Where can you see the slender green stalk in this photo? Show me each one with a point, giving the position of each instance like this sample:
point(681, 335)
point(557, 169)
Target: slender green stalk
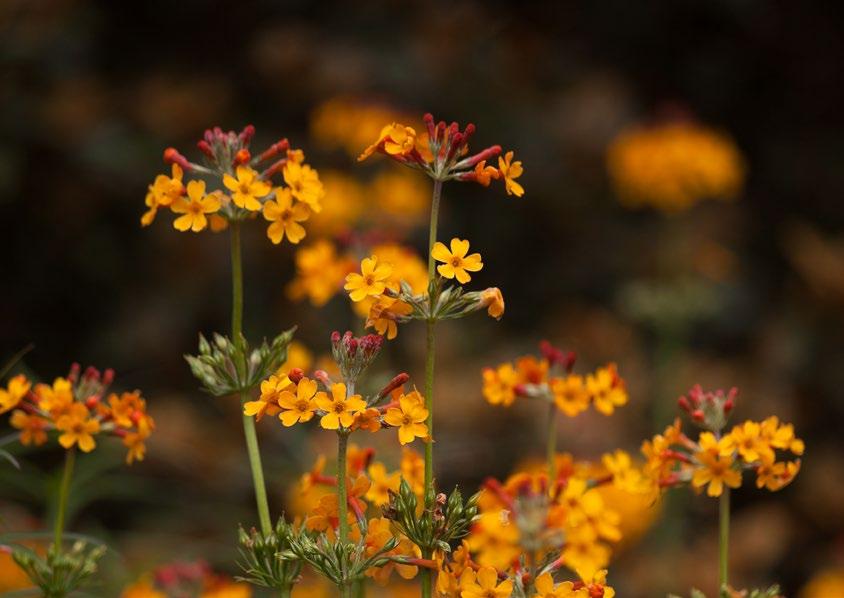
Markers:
point(248, 422)
point(342, 498)
point(425, 574)
point(551, 446)
point(430, 352)
point(723, 536)
point(64, 490)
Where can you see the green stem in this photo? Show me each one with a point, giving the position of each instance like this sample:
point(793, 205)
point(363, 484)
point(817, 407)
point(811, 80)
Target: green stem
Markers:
point(248, 422)
point(551, 446)
point(723, 536)
point(430, 350)
point(64, 490)
point(342, 499)
point(427, 582)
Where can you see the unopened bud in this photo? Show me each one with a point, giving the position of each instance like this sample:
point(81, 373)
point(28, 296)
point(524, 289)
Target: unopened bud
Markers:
point(295, 375)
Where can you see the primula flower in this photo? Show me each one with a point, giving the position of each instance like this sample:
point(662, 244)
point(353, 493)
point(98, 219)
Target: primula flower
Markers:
point(395, 140)
point(33, 427)
point(408, 417)
point(382, 484)
point(368, 419)
point(776, 475)
point(78, 428)
point(371, 280)
point(486, 585)
point(510, 171)
point(55, 399)
point(301, 407)
point(494, 302)
point(340, 409)
point(135, 442)
point(484, 174)
point(747, 440)
point(545, 588)
point(570, 394)
point(716, 465)
point(499, 385)
point(384, 314)
point(267, 403)
point(378, 533)
point(195, 208)
point(606, 389)
point(247, 188)
point(456, 264)
point(163, 192)
point(15, 391)
point(285, 217)
point(304, 184)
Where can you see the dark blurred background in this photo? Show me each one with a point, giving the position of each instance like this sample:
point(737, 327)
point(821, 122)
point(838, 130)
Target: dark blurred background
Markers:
point(92, 92)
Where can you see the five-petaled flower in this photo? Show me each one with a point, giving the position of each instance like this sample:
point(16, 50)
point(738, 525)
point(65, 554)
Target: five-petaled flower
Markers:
point(339, 409)
point(456, 264)
point(408, 417)
point(247, 188)
point(194, 208)
point(510, 171)
point(299, 408)
point(285, 217)
point(304, 184)
point(371, 281)
point(78, 428)
point(485, 584)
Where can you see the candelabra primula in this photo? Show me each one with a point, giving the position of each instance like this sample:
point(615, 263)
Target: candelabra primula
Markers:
point(75, 410)
point(442, 153)
point(245, 186)
point(337, 538)
point(716, 460)
point(186, 580)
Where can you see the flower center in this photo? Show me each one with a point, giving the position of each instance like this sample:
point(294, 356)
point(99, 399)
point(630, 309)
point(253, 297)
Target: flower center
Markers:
point(302, 405)
point(369, 280)
point(455, 261)
point(339, 407)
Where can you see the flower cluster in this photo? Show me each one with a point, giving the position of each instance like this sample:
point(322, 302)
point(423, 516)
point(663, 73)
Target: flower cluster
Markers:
point(718, 458)
point(245, 191)
point(528, 529)
point(395, 288)
point(673, 166)
point(442, 152)
point(550, 378)
point(296, 399)
point(79, 408)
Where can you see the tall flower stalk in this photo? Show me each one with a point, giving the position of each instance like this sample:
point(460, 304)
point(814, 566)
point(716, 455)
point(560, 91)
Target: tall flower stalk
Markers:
point(228, 366)
point(64, 491)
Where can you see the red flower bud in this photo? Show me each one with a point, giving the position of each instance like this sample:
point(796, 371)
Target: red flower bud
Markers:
point(295, 375)
point(242, 156)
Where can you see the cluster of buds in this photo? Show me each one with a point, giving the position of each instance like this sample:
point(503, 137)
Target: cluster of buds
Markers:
point(224, 367)
point(259, 557)
point(709, 410)
point(443, 522)
point(354, 355)
point(79, 407)
point(59, 573)
point(442, 152)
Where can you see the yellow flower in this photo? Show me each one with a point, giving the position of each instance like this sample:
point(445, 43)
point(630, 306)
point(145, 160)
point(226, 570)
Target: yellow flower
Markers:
point(370, 282)
point(267, 403)
point(456, 264)
point(301, 407)
point(716, 465)
point(55, 399)
point(545, 588)
point(499, 385)
point(304, 184)
point(747, 440)
point(247, 188)
point(776, 475)
point(511, 171)
point(484, 174)
point(163, 192)
point(134, 441)
point(596, 582)
point(382, 483)
point(14, 392)
point(194, 208)
point(494, 302)
point(319, 273)
point(339, 410)
point(32, 427)
point(486, 586)
point(570, 394)
point(673, 166)
point(285, 217)
point(395, 139)
point(384, 313)
point(606, 389)
point(78, 428)
point(408, 417)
